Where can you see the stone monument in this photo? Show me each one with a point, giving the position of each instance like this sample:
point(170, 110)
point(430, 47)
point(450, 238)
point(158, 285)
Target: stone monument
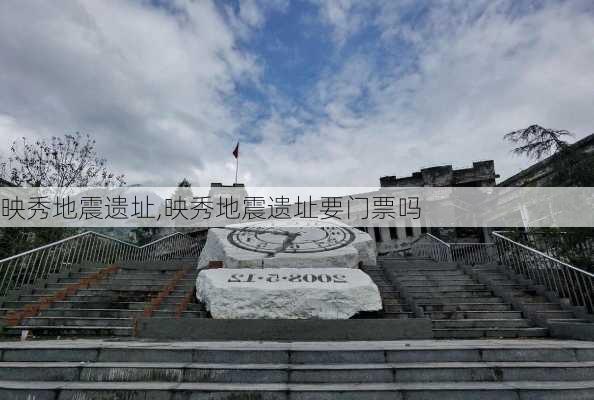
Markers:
point(289, 269)
point(288, 244)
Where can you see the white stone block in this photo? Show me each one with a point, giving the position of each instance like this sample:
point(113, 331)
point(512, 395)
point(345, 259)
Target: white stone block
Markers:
point(292, 244)
point(287, 293)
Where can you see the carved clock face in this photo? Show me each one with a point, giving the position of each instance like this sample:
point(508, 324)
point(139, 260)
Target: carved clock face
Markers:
point(306, 238)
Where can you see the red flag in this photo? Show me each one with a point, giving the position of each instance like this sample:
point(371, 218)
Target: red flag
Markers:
point(236, 151)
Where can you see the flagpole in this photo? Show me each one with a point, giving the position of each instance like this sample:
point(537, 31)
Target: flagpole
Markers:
point(236, 155)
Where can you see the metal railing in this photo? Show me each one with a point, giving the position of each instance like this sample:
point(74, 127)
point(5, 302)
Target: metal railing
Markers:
point(88, 247)
point(565, 280)
point(432, 247)
point(574, 246)
point(464, 253)
point(474, 253)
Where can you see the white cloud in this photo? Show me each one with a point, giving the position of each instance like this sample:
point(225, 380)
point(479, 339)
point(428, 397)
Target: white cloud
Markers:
point(345, 17)
point(157, 88)
point(251, 13)
point(152, 87)
point(476, 79)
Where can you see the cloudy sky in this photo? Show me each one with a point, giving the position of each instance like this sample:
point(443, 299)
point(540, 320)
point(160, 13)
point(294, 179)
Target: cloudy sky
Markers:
point(322, 93)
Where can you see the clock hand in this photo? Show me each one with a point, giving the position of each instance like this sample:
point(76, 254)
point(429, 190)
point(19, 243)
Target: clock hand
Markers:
point(287, 242)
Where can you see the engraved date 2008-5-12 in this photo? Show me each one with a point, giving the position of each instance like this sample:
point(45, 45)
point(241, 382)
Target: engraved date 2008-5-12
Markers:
point(272, 278)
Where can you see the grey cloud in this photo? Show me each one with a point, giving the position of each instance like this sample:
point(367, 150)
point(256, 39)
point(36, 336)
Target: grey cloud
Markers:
point(158, 90)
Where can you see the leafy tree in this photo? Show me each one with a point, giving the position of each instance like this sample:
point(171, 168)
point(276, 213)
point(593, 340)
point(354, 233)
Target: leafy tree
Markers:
point(572, 166)
point(66, 161)
point(537, 142)
point(184, 183)
point(182, 196)
point(144, 234)
point(575, 169)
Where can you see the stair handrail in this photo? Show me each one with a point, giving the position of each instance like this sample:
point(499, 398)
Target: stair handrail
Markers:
point(57, 242)
point(437, 239)
point(559, 277)
point(408, 247)
point(464, 253)
point(91, 247)
point(543, 241)
point(434, 248)
point(468, 253)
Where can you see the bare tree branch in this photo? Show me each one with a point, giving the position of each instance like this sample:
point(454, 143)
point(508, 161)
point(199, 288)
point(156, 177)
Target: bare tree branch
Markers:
point(63, 161)
point(536, 141)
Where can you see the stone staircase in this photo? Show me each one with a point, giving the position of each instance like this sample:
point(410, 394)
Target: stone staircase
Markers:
point(458, 305)
point(394, 305)
point(107, 308)
point(411, 370)
point(525, 296)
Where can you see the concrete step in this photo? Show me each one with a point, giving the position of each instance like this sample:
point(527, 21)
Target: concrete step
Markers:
point(429, 299)
point(55, 330)
point(444, 294)
point(129, 280)
point(391, 296)
point(416, 267)
point(77, 321)
point(376, 273)
point(34, 298)
point(398, 315)
point(119, 286)
point(282, 391)
point(570, 320)
point(445, 288)
point(99, 291)
point(519, 290)
point(392, 302)
point(395, 308)
point(384, 286)
point(530, 298)
point(419, 272)
point(425, 285)
point(496, 273)
point(424, 281)
point(554, 314)
point(101, 294)
point(466, 307)
point(80, 305)
point(444, 315)
point(140, 277)
point(102, 313)
point(481, 323)
point(413, 267)
point(504, 281)
point(542, 306)
point(191, 307)
point(485, 268)
point(290, 373)
point(426, 271)
point(477, 333)
point(509, 286)
point(299, 353)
